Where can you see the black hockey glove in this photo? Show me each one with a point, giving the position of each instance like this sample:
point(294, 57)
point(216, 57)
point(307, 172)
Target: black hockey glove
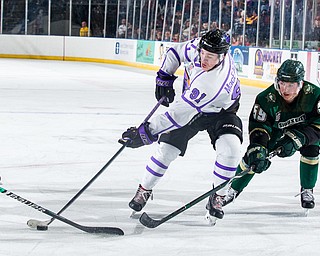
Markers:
point(292, 141)
point(138, 137)
point(164, 87)
point(257, 157)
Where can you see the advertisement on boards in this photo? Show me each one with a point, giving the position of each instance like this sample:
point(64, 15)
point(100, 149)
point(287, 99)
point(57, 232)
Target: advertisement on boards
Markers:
point(160, 49)
point(240, 56)
point(124, 50)
point(145, 51)
point(265, 62)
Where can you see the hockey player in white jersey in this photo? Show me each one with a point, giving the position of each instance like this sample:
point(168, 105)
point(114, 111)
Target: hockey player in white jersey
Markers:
point(209, 102)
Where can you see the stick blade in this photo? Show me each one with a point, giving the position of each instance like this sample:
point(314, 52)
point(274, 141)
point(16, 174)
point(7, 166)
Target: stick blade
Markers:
point(148, 222)
point(103, 230)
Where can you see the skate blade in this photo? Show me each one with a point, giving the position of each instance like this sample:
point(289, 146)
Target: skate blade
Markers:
point(306, 212)
point(211, 220)
point(134, 215)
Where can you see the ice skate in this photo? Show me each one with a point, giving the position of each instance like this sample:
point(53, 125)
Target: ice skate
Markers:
point(307, 200)
point(211, 220)
point(214, 207)
point(230, 197)
point(139, 200)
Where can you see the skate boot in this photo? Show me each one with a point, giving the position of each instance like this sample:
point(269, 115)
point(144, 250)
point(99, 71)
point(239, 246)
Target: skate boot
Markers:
point(230, 197)
point(214, 207)
point(140, 199)
point(307, 199)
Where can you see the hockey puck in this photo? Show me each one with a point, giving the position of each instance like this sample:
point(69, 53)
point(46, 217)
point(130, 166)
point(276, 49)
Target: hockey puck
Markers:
point(42, 228)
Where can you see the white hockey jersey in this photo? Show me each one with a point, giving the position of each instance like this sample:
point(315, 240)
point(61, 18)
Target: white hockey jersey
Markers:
point(208, 92)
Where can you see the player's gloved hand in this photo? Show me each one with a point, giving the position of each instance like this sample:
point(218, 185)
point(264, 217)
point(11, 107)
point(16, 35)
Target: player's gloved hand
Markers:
point(164, 87)
point(292, 141)
point(257, 157)
point(138, 137)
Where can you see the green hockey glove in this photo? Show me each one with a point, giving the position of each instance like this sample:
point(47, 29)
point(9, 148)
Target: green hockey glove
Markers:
point(292, 141)
point(257, 157)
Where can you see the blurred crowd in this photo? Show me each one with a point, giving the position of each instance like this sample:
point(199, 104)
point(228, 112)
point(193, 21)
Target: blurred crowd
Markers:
point(249, 22)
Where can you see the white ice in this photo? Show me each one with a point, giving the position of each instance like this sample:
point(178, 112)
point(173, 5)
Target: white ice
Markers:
point(59, 125)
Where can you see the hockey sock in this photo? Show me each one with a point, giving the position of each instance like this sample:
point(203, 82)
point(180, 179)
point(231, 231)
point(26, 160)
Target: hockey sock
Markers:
point(308, 171)
point(241, 183)
point(226, 161)
point(158, 164)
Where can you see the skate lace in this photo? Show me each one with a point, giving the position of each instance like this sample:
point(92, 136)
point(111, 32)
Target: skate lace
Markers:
point(143, 195)
point(217, 202)
point(306, 195)
point(231, 195)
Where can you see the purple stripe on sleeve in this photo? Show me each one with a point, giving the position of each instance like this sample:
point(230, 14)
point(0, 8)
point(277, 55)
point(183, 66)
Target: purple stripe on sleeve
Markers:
point(186, 49)
point(171, 120)
point(226, 168)
point(161, 165)
point(220, 176)
point(175, 54)
point(153, 172)
point(164, 61)
point(193, 46)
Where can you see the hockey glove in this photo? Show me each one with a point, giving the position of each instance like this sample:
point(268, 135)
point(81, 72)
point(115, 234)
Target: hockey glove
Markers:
point(164, 87)
point(257, 157)
point(292, 141)
point(138, 137)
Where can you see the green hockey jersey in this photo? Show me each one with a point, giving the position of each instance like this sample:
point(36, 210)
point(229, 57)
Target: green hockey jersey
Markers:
point(272, 115)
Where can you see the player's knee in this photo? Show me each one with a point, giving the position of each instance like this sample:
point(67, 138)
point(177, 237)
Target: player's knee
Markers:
point(229, 146)
point(167, 152)
point(310, 151)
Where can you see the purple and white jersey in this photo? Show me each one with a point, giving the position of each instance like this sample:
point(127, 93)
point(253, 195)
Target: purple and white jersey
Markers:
point(209, 92)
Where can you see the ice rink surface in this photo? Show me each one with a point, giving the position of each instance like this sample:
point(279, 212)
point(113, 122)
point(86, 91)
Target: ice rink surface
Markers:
point(59, 125)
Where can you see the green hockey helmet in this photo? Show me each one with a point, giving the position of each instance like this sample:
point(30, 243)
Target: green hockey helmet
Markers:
point(291, 71)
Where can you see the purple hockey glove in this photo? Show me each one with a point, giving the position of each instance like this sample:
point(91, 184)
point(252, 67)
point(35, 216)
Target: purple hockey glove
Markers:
point(138, 137)
point(164, 87)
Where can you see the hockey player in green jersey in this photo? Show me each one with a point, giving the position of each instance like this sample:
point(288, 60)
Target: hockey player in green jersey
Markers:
point(285, 116)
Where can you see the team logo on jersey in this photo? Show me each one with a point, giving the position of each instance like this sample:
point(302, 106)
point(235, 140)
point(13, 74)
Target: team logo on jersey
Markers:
point(308, 89)
point(271, 97)
point(278, 115)
point(259, 114)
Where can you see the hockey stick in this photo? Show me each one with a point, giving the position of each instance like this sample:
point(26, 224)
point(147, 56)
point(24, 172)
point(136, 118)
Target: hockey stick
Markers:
point(149, 222)
point(35, 223)
point(88, 229)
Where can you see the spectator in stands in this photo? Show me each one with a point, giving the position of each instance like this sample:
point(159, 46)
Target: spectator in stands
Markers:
point(175, 38)
point(186, 30)
point(204, 28)
point(122, 29)
point(316, 31)
point(39, 23)
point(84, 31)
point(214, 25)
point(167, 35)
